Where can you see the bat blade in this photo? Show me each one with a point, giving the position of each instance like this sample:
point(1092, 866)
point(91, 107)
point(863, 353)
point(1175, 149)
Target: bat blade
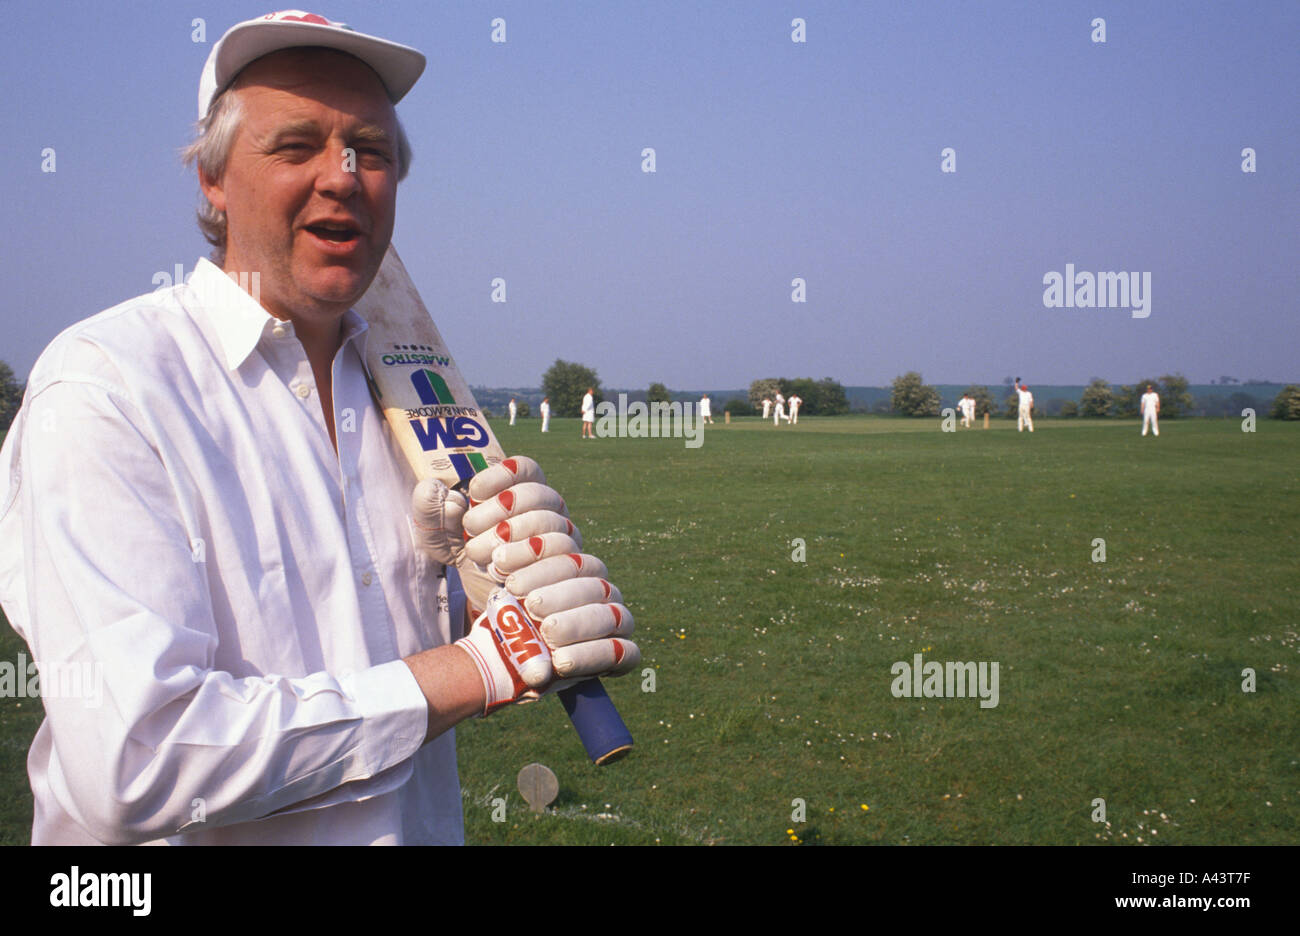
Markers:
point(414, 378)
point(444, 435)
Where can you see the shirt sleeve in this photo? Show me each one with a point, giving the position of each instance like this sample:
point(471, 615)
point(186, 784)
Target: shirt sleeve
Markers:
point(114, 595)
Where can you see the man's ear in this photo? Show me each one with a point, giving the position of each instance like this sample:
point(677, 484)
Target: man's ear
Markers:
point(212, 190)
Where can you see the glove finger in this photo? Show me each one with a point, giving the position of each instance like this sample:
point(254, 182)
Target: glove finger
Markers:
point(508, 472)
point(555, 569)
point(533, 523)
point(612, 657)
point(590, 622)
point(516, 500)
point(546, 600)
point(511, 557)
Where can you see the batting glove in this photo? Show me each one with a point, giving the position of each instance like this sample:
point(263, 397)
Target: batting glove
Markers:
point(515, 505)
point(510, 655)
point(581, 616)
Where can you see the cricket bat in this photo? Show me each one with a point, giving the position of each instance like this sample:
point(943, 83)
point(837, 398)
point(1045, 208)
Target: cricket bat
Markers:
point(443, 434)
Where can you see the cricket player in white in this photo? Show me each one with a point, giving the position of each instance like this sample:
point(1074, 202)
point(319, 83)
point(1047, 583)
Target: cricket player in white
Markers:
point(706, 413)
point(1026, 408)
point(546, 414)
point(1151, 411)
point(767, 407)
point(588, 413)
point(513, 410)
point(795, 403)
point(278, 637)
point(967, 406)
point(779, 413)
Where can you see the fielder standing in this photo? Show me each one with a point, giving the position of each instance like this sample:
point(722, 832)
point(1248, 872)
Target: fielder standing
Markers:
point(546, 414)
point(513, 410)
point(1151, 411)
point(588, 413)
point(795, 403)
point(706, 412)
point(767, 407)
point(1026, 410)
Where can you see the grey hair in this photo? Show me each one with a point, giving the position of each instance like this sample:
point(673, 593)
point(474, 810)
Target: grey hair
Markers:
point(215, 137)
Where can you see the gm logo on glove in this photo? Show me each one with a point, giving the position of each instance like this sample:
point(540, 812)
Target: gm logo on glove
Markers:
point(520, 643)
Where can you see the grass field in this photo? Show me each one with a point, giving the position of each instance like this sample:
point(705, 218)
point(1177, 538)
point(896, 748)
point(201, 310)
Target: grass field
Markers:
point(1119, 679)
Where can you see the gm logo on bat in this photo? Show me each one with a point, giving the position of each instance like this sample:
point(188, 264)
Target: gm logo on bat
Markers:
point(441, 432)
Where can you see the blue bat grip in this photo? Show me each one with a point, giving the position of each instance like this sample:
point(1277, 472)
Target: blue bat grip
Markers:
point(599, 725)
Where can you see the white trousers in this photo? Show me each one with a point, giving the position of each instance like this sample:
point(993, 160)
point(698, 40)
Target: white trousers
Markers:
point(1026, 419)
point(546, 422)
point(778, 415)
point(1149, 418)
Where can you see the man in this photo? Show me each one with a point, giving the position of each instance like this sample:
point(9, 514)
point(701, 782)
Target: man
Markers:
point(546, 414)
point(1151, 411)
point(588, 413)
point(767, 407)
point(779, 413)
point(967, 407)
point(1026, 408)
point(706, 412)
point(513, 410)
point(795, 403)
point(217, 529)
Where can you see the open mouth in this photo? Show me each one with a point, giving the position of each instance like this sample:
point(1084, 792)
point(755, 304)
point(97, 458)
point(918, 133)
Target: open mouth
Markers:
point(338, 233)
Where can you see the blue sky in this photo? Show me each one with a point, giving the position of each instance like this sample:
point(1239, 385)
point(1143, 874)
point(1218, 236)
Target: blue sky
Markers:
point(774, 160)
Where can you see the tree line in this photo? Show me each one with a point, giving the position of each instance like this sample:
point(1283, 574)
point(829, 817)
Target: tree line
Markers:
point(565, 382)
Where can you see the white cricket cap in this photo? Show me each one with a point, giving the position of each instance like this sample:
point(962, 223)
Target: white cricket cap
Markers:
point(398, 66)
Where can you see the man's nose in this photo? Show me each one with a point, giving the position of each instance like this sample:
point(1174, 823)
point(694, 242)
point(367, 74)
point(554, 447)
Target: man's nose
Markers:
point(338, 172)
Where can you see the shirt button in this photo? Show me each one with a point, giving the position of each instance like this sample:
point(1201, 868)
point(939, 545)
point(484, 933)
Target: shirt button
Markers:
point(366, 579)
point(279, 330)
point(302, 390)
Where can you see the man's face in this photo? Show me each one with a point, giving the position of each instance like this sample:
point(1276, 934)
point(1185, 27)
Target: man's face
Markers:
point(312, 220)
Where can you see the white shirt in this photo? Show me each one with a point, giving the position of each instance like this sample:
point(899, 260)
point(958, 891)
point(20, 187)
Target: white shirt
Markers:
point(512, 407)
point(794, 403)
point(546, 408)
point(1150, 402)
point(174, 518)
point(1026, 399)
point(588, 408)
point(704, 407)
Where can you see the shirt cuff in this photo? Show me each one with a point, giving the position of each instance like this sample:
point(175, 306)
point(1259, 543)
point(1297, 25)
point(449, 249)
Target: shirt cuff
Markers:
point(394, 713)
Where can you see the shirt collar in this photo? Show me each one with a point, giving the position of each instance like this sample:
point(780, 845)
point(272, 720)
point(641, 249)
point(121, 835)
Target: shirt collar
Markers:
point(240, 321)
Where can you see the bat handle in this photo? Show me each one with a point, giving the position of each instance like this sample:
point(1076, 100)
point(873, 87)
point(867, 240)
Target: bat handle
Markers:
point(600, 727)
